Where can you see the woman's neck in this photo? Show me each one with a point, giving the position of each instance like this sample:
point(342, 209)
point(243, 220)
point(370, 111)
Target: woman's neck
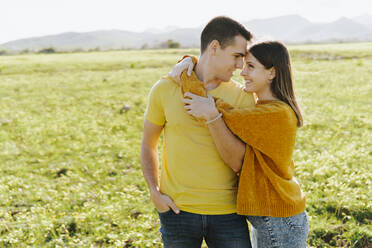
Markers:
point(266, 95)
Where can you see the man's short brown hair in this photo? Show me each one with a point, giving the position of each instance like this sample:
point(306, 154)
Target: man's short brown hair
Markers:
point(223, 29)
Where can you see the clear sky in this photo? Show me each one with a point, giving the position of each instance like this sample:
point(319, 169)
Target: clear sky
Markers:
point(29, 18)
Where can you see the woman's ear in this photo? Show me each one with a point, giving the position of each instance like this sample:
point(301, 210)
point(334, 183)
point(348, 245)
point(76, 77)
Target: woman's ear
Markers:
point(272, 73)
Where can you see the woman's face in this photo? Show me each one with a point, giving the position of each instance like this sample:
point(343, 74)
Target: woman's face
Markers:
point(256, 77)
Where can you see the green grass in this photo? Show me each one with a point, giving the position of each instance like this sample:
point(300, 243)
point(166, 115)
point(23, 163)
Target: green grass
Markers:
point(69, 155)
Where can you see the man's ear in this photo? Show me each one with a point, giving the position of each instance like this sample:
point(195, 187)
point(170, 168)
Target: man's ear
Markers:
point(214, 46)
point(272, 74)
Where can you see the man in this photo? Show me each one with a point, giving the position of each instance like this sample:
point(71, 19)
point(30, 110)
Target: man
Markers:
point(196, 198)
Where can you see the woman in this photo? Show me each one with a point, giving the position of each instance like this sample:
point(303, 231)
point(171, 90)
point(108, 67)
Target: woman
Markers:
point(268, 194)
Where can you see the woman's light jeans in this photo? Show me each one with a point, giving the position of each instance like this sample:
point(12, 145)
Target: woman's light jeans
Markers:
point(287, 232)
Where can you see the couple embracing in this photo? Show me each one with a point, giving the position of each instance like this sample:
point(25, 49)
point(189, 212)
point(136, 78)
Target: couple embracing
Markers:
point(227, 148)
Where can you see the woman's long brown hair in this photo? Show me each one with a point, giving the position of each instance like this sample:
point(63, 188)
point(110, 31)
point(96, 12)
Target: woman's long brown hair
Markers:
point(275, 54)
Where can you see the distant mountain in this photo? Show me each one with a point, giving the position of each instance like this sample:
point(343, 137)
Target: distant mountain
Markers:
point(188, 37)
point(105, 39)
point(67, 41)
point(276, 27)
point(161, 30)
point(343, 29)
point(290, 29)
point(364, 19)
point(296, 29)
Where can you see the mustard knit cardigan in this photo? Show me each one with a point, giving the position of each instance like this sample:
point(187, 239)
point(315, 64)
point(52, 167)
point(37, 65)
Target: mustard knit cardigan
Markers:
point(267, 186)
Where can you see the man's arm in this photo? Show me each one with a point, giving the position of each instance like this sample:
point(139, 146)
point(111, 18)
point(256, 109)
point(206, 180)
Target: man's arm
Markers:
point(230, 147)
point(150, 167)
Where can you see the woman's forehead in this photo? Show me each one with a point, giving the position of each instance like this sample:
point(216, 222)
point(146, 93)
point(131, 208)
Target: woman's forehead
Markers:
point(250, 57)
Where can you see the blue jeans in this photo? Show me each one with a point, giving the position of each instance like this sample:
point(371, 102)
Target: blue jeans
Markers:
point(187, 230)
point(288, 232)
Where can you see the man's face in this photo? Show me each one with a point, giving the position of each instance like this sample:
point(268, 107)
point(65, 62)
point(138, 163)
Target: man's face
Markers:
point(229, 59)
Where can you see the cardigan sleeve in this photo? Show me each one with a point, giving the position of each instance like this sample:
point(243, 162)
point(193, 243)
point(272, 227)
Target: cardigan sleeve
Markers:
point(269, 128)
point(192, 84)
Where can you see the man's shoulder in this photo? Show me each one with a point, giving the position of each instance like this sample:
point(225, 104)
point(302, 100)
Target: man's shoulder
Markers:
point(166, 80)
point(236, 96)
point(163, 84)
point(233, 85)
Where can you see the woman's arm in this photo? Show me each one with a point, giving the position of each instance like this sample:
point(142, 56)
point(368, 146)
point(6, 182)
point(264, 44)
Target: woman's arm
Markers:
point(230, 147)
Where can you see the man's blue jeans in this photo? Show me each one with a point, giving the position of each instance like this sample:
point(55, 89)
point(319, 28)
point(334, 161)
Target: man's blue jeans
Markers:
point(187, 230)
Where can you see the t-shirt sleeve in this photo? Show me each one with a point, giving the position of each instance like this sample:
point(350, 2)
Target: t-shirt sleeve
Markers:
point(155, 110)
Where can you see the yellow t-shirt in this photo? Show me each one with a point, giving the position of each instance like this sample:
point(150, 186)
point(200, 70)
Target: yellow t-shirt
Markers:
point(192, 173)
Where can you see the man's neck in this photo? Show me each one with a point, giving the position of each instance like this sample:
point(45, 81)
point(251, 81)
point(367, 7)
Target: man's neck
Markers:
point(204, 73)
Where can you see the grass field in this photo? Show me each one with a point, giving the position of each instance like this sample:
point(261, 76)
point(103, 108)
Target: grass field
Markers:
point(69, 152)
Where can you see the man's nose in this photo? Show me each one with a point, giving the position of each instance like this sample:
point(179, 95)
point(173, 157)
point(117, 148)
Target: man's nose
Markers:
point(243, 72)
point(239, 64)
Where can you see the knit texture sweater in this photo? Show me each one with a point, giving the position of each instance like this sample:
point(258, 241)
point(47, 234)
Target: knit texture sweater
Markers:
point(267, 186)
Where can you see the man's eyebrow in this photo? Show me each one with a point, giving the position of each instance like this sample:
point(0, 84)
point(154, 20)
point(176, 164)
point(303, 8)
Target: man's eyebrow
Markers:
point(240, 54)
